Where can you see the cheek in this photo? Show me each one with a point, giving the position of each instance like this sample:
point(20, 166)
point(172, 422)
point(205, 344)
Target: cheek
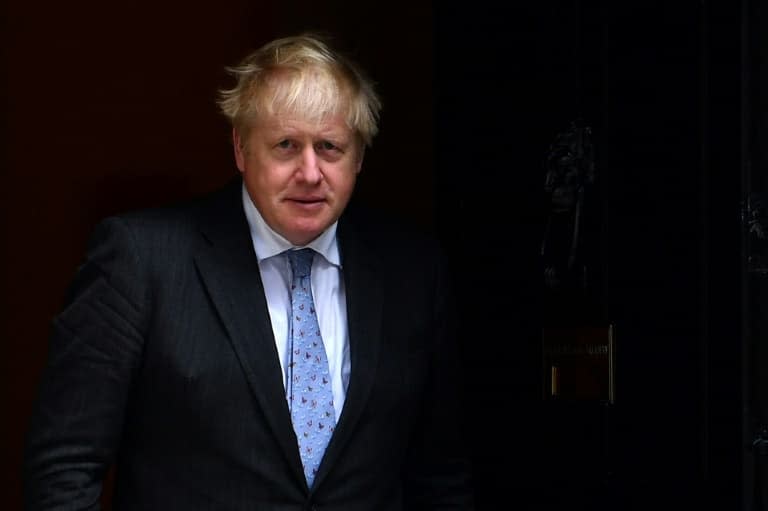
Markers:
point(342, 190)
point(262, 189)
point(267, 180)
point(346, 179)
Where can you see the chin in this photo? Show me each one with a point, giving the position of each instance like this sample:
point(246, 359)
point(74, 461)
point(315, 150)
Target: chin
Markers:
point(304, 236)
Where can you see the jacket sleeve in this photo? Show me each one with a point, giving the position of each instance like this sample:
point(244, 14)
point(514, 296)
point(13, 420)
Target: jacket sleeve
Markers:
point(95, 349)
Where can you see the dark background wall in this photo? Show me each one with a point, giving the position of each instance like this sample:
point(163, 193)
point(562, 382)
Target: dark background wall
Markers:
point(112, 108)
point(663, 86)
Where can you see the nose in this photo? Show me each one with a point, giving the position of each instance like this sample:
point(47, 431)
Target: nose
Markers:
point(309, 166)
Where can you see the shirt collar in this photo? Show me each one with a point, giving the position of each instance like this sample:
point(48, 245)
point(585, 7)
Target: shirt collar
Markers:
point(267, 243)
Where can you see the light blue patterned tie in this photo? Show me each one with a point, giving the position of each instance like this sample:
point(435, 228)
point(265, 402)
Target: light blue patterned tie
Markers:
point(309, 396)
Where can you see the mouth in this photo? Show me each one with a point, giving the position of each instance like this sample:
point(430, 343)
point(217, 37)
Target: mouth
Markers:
point(306, 202)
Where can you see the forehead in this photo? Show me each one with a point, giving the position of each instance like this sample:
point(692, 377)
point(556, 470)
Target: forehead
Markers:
point(334, 126)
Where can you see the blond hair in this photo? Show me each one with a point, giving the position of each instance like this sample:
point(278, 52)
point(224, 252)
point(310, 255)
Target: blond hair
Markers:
point(301, 76)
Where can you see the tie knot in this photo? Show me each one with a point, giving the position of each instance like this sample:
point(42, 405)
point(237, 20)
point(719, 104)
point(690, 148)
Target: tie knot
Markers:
point(301, 261)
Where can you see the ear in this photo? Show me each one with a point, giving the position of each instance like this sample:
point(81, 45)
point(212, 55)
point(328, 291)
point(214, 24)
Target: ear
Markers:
point(237, 142)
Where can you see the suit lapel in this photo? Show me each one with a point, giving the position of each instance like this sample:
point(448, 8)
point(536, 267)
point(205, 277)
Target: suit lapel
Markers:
point(364, 310)
point(229, 270)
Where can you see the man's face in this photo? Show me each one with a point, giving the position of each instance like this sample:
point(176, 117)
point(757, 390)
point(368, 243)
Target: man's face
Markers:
point(300, 175)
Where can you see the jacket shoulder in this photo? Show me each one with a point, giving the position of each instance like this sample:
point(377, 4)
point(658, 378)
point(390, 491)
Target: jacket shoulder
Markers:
point(173, 225)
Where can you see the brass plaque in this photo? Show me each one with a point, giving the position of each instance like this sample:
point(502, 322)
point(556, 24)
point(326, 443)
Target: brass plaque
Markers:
point(579, 363)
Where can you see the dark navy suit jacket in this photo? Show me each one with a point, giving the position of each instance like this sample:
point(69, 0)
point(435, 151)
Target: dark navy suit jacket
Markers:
point(164, 363)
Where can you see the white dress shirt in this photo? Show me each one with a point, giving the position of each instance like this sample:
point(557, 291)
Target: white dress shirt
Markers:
point(327, 292)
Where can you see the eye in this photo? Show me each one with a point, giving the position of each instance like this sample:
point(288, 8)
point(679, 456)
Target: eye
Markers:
point(284, 144)
point(327, 146)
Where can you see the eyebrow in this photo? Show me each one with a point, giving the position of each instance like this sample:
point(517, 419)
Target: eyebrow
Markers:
point(332, 134)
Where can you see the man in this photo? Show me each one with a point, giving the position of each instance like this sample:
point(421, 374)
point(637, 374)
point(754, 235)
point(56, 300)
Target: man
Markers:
point(260, 348)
